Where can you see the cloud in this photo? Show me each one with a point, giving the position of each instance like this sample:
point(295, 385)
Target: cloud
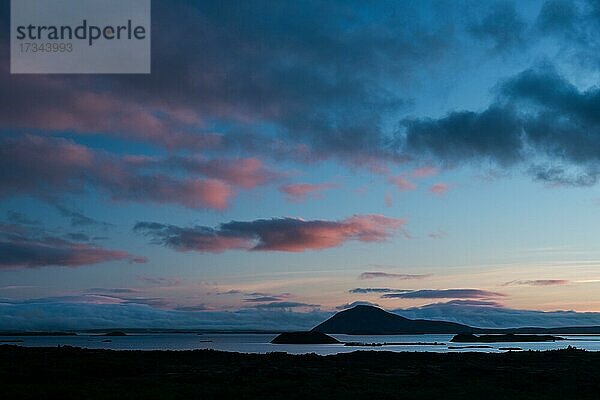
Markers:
point(557, 16)
point(108, 296)
point(31, 246)
point(76, 105)
point(18, 252)
point(482, 303)
point(327, 88)
point(160, 281)
point(57, 314)
point(21, 219)
point(277, 234)
point(262, 299)
point(561, 122)
point(112, 291)
point(77, 237)
point(196, 308)
point(463, 136)
point(540, 120)
point(354, 304)
point(573, 27)
point(437, 235)
point(443, 294)
point(373, 290)
point(555, 176)
point(259, 297)
point(503, 27)
point(386, 275)
point(388, 200)
point(301, 191)
point(323, 88)
point(402, 183)
point(49, 168)
point(246, 173)
point(537, 282)
point(79, 314)
point(439, 189)
point(424, 172)
point(78, 219)
point(285, 305)
point(231, 291)
point(493, 315)
point(191, 193)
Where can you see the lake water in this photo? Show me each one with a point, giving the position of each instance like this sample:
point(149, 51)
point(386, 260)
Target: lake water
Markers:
point(260, 343)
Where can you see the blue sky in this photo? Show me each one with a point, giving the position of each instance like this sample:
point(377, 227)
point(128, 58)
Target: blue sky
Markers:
point(279, 151)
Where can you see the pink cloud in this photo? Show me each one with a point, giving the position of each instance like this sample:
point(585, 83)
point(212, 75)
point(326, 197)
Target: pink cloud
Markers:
point(388, 200)
point(301, 191)
point(192, 193)
point(402, 183)
point(66, 107)
point(243, 172)
point(49, 167)
point(363, 189)
point(439, 189)
point(302, 235)
point(424, 172)
point(277, 234)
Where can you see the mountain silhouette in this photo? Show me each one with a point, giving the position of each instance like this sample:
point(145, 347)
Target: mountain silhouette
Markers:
point(370, 320)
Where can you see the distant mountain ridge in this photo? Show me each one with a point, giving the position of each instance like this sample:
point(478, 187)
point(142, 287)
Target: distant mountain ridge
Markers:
point(370, 320)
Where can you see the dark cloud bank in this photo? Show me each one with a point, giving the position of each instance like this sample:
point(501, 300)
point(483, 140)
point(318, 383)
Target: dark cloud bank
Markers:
point(557, 124)
point(30, 247)
point(306, 83)
point(57, 314)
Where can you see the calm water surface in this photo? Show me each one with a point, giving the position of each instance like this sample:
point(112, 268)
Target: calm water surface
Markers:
point(260, 343)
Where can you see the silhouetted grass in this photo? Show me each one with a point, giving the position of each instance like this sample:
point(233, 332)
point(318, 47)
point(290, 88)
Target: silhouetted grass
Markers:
point(72, 373)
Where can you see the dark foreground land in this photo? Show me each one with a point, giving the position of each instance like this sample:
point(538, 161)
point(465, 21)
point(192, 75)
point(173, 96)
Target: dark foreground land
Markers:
point(72, 373)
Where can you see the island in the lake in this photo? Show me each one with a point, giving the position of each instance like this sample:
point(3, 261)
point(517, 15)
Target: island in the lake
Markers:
point(304, 338)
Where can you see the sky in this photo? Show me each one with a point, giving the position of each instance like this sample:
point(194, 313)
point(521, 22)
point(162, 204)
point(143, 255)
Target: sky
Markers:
point(285, 160)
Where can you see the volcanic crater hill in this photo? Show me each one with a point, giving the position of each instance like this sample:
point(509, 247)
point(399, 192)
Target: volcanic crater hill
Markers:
point(369, 320)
